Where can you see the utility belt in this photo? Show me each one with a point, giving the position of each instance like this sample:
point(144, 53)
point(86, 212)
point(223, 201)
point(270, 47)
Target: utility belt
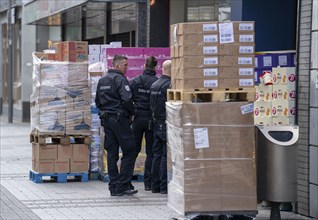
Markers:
point(117, 115)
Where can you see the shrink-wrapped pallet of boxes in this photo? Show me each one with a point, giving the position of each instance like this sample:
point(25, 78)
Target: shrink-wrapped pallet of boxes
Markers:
point(211, 157)
point(60, 118)
point(210, 126)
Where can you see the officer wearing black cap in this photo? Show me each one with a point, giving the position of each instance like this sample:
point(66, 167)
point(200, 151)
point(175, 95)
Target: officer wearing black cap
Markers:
point(158, 98)
point(113, 98)
point(142, 124)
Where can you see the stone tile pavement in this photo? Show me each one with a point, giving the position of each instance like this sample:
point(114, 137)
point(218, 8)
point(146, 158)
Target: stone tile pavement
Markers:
point(23, 199)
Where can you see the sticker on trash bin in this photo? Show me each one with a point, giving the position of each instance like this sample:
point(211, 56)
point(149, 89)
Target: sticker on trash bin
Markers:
point(201, 138)
point(245, 109)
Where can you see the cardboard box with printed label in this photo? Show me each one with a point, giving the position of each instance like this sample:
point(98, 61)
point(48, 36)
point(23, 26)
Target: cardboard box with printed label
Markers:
point(78, 98)
point(194, 28)
point(228, 71)
point(94, 49)
point(243, 26)
point(236, 49)
point(207, 82)
point(79, 165)
point(78, 122)
point(62, 165)
point(209, 141)
point(195, 61)
point(284, 92)
point(240, 61)
point(44, 166)
point(284, 75)
point(75, 51)
point(192, 72)
point(44, 152)
point(247, 38)
point(198, 39)
point(263, 93)
point(228, 113)
point(235, 82)
point(283, 108)
point(193, 50)
point(262, 109)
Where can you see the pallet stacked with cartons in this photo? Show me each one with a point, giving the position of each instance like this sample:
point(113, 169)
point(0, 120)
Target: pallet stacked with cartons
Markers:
point(210, 128)
point(60, 113)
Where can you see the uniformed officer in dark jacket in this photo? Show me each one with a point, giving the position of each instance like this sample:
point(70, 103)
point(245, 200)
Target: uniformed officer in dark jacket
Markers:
point(158, 97)
point(113, 98)
point(142, 124)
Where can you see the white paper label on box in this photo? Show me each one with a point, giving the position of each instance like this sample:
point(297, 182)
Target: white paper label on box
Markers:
point(246, 71)
point(246, 27)
point(245, 109)
point(282, 60)
point(267, 61)
point(210, 61)
point(210, 38)
point(210, 50)
point(175, 36)
point(246, 82)
point(210, 83)
point(246, 49)
point(226, 33)
point(201, 138)
point(210, 27)
point(246, 38)
point(245, 60)
point(210, 72)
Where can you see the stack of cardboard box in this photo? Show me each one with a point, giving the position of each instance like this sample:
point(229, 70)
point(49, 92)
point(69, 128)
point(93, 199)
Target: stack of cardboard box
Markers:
point(275, 103)
point(211, 157)
point(212, 55)
point(211, 145)
point(60, 108)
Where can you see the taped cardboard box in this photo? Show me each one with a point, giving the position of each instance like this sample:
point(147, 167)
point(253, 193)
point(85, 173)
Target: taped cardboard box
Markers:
point(194, 28)
point(240, 61)
point(236, 49)
point(208, 113)
point(62, 165)
point(196, 83)
point(195, 61)
point(194, 49)
point(214, 185)
point(236, 82)
point(194, 72)
point(208, 141)
point(78, 122)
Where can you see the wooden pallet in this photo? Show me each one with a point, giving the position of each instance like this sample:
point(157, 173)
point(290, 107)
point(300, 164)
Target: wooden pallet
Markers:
point(57, 177)
point(212, 95)
point(59, 139)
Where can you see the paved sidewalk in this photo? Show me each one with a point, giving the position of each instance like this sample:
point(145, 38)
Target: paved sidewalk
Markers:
point(23, 199)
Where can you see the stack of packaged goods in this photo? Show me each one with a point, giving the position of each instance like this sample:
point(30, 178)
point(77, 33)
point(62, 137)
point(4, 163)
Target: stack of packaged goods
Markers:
point(265, 61)
point(96, 71)
point(60, 110)
point(136, 58)
point(211, 142)
point(275, 98)
point(212, 55)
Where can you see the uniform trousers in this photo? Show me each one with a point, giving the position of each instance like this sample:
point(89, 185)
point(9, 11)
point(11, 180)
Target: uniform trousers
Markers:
point(118, 133)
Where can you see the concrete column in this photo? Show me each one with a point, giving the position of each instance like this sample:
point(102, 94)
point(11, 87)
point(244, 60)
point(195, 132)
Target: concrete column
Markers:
point(28, 46)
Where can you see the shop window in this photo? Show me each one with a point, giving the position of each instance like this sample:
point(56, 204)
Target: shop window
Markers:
point(208, 10)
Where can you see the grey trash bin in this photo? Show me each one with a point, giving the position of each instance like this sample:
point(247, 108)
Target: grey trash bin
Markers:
point(277, 164)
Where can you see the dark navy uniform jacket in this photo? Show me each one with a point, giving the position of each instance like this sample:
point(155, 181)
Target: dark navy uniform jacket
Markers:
point(140, 86)
point(158, 97)
point(113, 94)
